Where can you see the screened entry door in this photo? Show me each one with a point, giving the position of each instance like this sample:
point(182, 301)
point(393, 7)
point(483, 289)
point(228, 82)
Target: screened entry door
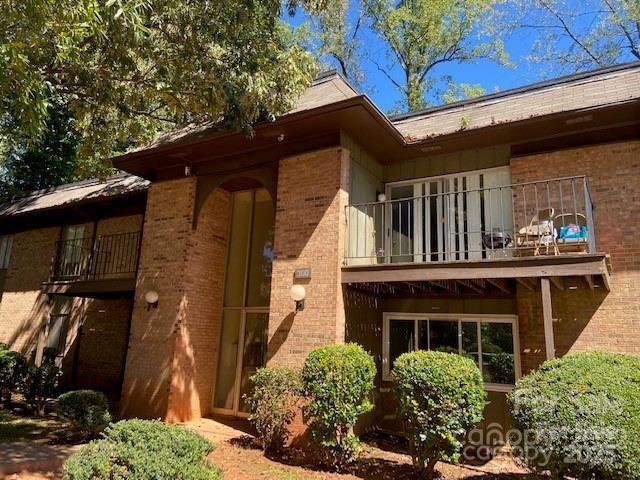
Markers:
point(444, 218)
point(245, 313)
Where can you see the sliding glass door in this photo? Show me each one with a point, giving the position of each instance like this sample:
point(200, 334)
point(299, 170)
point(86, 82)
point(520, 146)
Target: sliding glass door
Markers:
point(445, 218)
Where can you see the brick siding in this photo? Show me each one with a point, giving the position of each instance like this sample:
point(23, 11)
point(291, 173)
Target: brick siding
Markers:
point(586, 319)
point(25, 309)
point(309, 232)
point(172, 348)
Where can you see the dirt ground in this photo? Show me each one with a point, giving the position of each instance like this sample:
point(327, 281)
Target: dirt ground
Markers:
point(241, 459)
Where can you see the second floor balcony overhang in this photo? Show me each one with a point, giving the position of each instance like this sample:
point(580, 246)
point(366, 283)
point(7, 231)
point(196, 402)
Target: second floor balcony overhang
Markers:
point(95, 265)
point(474, 236)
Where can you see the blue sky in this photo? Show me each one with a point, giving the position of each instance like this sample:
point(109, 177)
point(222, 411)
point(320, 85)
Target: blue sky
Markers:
point(488, 74)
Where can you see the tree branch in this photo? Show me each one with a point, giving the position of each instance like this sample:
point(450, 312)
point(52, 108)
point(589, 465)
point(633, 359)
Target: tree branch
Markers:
point(569, 33)
point(386, 74)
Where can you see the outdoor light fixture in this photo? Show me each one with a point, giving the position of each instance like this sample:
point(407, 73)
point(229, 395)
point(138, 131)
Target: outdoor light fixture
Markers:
point(297, 295)
point(151, 297)
point(381, 197)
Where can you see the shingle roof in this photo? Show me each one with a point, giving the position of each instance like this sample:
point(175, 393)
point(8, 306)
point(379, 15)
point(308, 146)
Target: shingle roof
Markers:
point(602, 87)
point(87, 190)
point(329, 87)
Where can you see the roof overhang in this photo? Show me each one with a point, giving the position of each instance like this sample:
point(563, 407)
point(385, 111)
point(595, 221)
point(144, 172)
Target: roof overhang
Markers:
point(294, 133)
point(211, 151)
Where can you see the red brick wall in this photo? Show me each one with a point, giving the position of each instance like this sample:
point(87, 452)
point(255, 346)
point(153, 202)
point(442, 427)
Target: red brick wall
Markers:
point(24, 307)
point(309, 232)
point(167, 225)
point(102, 345)
point(196, 349)
point(586, 319)
point(172, 348)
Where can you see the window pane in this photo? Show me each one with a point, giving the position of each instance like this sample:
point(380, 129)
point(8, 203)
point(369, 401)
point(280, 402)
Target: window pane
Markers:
point(423, 335)
point(254, 354)
point(497, 353)
point(238, 244)
point(401, 335)
point(227, 359)
point(470, 340)
point(444, 336)
point(261, 256)
point(402, 228)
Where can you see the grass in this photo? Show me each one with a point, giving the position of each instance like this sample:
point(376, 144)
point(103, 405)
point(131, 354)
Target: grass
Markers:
point(15, 428)
point(284, 474)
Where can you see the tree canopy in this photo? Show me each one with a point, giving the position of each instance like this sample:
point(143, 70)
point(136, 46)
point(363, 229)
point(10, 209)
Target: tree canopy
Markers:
point(47, 162)
point(574, 36)
point(422, 34)
point(126, 69)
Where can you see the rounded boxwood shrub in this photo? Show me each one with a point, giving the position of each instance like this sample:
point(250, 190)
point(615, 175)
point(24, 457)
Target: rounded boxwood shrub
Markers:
point(273, 403)
point(337, 381)
point(440, 397)
point(580, 416)
point(143, 450)
point(86, 410)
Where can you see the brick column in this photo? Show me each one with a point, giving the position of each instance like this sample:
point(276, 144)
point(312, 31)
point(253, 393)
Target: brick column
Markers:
point(309, 232)
point(172, 347)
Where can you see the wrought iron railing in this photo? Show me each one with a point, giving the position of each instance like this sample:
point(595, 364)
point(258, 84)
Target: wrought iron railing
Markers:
point(97, 258)
point(548, 217)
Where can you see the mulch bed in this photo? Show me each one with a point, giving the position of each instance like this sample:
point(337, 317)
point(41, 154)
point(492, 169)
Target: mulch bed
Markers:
point(242, 459)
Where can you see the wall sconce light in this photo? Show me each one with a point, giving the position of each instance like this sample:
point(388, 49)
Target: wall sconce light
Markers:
point(151, 297)
point(297, 295)
point(382, 197)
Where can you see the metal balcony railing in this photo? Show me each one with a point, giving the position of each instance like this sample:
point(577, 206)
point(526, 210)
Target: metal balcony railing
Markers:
point(100, 258)
point(548, 217)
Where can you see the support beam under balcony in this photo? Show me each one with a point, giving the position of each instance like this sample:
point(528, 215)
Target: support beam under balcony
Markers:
point(547, 314)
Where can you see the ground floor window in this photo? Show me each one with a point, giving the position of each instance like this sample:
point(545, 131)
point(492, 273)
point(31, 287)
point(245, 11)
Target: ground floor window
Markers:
point(490, 340)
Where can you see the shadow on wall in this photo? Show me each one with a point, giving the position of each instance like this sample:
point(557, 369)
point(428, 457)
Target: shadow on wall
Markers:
point(280, 335)
point(573, 311)
point(184, 399)
point(27, 335)
point(145, 389)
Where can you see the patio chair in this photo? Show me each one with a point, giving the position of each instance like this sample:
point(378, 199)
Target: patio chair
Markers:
point(539, 233)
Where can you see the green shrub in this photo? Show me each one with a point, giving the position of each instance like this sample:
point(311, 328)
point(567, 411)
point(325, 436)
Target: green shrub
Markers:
point(273, 403)
point(580, 416)
point(143, 450)
point(440, 397)
point(86, 410)
point(39, 385)
point(337, 380)
point(12, 371)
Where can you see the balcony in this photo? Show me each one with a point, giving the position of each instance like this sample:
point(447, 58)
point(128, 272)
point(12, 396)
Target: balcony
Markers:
point(462, 228)
point(101, 264)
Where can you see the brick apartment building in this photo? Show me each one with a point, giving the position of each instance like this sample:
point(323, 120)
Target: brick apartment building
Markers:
point(501, 227)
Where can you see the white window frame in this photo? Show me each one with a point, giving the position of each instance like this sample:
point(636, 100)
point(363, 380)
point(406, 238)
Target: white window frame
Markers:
point(387, 317)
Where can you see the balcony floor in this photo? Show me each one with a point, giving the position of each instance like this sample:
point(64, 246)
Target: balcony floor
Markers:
point(478, 276)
